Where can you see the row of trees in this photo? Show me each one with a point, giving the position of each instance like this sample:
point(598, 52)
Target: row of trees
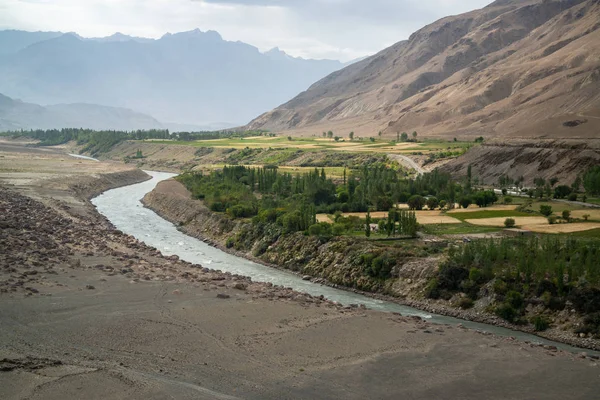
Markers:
point(101, 141)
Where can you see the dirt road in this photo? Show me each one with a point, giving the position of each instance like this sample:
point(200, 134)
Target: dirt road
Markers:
point(407, 162)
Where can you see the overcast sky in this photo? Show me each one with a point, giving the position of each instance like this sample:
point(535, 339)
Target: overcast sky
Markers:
point(337, 29)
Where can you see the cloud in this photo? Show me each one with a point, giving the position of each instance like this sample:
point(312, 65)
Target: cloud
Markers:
point(341, 29)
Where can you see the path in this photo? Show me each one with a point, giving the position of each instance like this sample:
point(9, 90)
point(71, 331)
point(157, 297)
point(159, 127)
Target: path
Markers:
point(408, 162)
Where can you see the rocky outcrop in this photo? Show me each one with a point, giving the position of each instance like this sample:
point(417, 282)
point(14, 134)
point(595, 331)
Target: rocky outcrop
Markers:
point(551, 159)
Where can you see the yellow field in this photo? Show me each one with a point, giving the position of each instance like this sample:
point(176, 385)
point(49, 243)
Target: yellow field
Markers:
point(423, 217)
point(563, 228)
point(594, 215)
point(520, 221)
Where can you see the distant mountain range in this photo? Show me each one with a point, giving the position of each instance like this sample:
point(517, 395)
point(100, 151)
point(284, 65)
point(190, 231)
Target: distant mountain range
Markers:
point(188, 78)
point(520, 68)
point(16, 115)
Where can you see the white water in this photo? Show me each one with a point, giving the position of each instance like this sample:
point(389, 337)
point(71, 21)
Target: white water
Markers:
point(123, 208)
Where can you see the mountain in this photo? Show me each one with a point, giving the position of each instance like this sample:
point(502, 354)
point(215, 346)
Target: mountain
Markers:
point(12, 41)
point(15, 115)
point(190, 77)
point(514, 68)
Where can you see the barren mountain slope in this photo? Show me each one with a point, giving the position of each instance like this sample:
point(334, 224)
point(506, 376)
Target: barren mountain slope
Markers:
point(503, 70)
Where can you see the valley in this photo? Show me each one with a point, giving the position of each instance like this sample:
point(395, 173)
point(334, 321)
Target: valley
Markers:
point(190, 216)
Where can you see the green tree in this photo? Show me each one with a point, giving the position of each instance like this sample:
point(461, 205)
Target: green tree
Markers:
point(351, 135)
point(546, 210)
point(509, 222)
point(414, 135)
point(329, 134)
point(416, 202)
point(368, 224)
point(404, 137)
point(591, 181)
point(465, 202)
point(566, 214)
point(432, 203)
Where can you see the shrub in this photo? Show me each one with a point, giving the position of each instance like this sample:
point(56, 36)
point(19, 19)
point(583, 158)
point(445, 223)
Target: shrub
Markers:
point(465, 303)
point(475, 275)
point(338, 229)
point(509, 222)
point(515, 299)
point(508, 200)
point(506, 312)
point(566, 214)
point(500, 287)
point(261, 249)
point(451, 276)
point(586, 217)
point(591, 324)
point(552, 219)
point(230, 243)
point(540, 323)
point(573, 197)
point(432, 290)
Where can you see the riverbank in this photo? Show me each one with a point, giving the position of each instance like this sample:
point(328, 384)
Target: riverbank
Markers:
point(326, 264)
point(87, 311)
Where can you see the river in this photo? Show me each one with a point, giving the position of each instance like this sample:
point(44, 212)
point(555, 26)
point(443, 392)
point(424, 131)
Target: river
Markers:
point(123, 208)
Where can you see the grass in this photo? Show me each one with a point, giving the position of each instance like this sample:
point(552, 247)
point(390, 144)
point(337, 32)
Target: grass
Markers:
point(591, 234)
point(459, 229)
point(593, 200)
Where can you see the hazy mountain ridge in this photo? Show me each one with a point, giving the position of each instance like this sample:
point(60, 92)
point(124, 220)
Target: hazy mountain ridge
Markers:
point(190, 77)
point(16, 115)
point(501, 70)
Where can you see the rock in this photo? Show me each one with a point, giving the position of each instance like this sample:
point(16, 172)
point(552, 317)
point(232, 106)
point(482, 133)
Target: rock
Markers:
point(240, 286)
point(89, 287)
point(223, 296)
point(306, 278)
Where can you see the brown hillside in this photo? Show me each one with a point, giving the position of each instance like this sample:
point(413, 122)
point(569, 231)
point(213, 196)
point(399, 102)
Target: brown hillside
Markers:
point(511, 69)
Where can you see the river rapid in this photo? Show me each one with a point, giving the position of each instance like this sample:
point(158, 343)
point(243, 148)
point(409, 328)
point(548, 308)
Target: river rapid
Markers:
point(123, 208)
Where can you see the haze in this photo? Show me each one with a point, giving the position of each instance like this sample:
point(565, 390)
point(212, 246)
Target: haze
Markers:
point(334, 29)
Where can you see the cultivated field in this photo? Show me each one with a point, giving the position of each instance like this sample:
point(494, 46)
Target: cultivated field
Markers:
point(344, 144)
point(423, 217)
